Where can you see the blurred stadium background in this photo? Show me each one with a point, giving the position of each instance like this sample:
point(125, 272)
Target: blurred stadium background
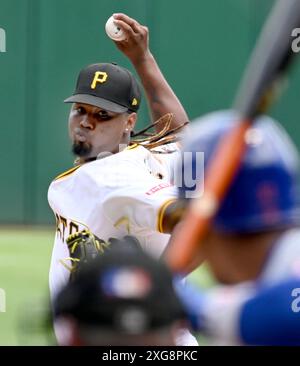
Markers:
point(202, 48)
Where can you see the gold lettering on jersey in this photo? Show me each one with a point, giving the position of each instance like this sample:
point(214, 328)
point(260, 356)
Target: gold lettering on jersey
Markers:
point(73, 228)
point(65, 228)
point(99, 77)
point(58, 231)
point(124, 220)
point(61, 225)
point(64, 225)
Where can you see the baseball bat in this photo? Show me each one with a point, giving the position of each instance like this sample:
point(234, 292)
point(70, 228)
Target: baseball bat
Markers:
point(269, 61)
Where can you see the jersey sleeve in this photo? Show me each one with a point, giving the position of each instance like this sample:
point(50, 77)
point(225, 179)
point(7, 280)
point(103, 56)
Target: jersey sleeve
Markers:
point(141, 204)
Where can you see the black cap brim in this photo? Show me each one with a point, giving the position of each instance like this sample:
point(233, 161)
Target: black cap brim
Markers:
point(96, 101)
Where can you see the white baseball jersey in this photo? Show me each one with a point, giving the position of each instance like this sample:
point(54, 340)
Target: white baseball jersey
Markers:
point(121, 194)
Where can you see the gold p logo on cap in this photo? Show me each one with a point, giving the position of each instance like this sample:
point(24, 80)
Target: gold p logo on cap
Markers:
point(99, 77)
point(134, 101)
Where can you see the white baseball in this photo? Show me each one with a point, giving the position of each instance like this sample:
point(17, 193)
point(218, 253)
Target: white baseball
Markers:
point(113, 31)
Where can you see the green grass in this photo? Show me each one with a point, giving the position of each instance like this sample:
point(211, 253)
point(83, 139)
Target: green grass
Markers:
point(24, 265)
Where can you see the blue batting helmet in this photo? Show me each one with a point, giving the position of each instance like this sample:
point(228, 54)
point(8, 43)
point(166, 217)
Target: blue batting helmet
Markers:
point(265, 192)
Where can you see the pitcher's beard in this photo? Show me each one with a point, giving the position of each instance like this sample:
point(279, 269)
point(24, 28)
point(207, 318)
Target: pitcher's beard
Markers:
point(81, 149)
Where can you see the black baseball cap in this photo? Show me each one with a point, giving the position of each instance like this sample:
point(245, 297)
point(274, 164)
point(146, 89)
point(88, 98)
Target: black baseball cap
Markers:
point(122, 290)
point(107, 86)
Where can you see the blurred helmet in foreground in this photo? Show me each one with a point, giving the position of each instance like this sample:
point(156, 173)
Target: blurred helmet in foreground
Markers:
point(265, 192)
point(125, 292)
